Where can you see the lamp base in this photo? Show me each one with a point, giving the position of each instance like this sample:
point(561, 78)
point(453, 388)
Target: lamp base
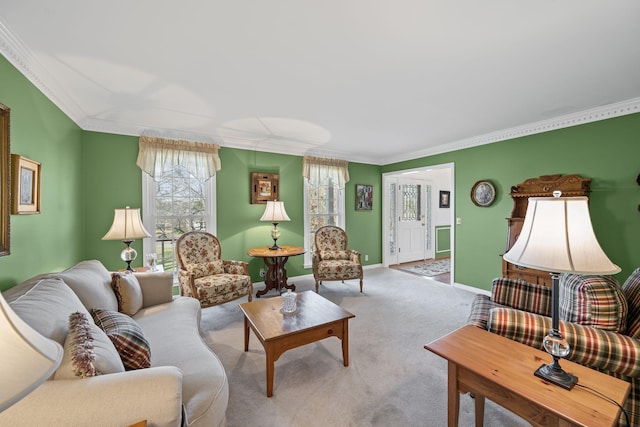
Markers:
point(554, 374)
point(275, 247)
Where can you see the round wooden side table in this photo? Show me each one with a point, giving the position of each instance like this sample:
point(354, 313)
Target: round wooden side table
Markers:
point(275, 260)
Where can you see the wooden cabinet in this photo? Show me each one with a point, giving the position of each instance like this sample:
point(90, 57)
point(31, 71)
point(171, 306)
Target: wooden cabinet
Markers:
point(543, 186)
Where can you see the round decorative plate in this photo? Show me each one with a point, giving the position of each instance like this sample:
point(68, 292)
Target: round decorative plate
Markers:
point(483, 193)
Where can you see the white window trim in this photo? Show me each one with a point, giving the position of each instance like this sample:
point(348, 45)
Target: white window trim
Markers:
point(307, 262)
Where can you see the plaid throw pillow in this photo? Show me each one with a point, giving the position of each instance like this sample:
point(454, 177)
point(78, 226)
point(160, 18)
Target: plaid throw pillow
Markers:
point(596, 301)
point(126, 336)
point(631, 289)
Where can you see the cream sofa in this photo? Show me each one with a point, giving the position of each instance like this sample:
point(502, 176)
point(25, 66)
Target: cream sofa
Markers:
point(186, 383)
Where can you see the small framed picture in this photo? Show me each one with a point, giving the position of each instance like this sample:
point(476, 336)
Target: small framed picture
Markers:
point(483, 193)
point(264, 187)
point(25, 177)
point(364, 197)
point(445, 201)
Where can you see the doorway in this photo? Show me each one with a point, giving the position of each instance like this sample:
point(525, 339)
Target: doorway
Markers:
point(413, 220)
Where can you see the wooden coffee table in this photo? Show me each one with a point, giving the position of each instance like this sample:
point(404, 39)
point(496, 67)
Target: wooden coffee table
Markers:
point(489, 365)
point(316, 318)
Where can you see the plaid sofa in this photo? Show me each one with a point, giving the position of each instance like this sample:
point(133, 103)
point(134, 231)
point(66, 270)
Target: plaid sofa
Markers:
point(600, 321)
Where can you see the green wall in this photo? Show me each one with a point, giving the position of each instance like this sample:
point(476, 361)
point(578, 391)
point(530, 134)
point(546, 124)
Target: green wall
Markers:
point(113, 180)
point(51, 240)
point(85, 175)
point(606, 151)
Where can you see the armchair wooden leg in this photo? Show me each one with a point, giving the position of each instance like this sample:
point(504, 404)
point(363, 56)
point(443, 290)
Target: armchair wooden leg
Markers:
point(361, 285)
point(316, 286)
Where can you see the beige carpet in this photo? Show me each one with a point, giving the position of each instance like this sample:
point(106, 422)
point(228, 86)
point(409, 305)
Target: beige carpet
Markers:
point(391, 381)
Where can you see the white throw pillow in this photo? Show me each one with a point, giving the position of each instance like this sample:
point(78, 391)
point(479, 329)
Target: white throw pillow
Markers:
point(87, 351)
point(46, 307)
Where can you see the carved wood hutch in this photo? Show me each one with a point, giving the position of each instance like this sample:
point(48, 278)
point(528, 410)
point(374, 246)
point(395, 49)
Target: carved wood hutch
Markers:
point(544, 186)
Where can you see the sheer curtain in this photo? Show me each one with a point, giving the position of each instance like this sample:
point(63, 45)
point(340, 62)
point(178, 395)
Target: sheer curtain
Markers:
point(319, 170)
point(157, 154)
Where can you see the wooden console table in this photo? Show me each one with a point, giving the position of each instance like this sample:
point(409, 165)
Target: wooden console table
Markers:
point(276, 275)
point(489, 365)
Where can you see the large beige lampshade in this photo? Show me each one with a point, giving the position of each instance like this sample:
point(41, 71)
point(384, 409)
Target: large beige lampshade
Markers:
point(127, 225)
point(275, 212)
point(557, 236)
point(27, 359)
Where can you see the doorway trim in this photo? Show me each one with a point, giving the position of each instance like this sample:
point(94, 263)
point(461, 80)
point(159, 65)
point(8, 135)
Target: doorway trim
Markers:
point(386, 210)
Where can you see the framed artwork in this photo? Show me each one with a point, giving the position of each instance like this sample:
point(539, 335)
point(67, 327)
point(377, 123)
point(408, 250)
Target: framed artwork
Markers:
point(364, 197)
point(264, 187)
point(5, 180)
point(445, 201)
point(25, 177)
point(483, 193)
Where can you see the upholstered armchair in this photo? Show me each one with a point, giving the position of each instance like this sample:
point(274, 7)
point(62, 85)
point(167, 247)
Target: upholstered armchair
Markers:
point(599, 319)
point(332, 259)
point(203, 275)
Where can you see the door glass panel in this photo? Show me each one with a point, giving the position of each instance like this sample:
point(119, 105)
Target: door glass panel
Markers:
point(411, 202)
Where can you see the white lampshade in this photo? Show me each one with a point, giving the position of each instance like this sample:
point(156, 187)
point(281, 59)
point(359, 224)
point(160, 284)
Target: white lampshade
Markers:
point(275, 212)
point(27, 359)
point(126, 226)
point(557, 236)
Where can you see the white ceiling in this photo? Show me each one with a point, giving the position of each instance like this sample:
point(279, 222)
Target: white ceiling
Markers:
point(361, 80)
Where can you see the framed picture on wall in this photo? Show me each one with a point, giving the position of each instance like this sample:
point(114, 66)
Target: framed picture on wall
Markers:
point(445, 201)
point(264, 187)
point(25, 179)
point(364, 197)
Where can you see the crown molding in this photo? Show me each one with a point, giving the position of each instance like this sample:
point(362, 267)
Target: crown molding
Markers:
point(20, 57)
point(582, 117)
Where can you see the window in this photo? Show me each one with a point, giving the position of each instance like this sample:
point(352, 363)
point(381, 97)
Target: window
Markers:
point(323, 198)
point(177, 203)
point(178, 192)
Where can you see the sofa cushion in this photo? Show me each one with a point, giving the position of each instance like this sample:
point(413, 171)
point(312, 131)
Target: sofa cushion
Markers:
point(596, 301)
point(91, 281)
point(126, 335)
point(87, 351)
point(128, 293)
point(46, 306)
point(631, 288)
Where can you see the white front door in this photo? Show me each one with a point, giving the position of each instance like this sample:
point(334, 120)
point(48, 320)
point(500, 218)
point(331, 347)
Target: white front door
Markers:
point(410, 220)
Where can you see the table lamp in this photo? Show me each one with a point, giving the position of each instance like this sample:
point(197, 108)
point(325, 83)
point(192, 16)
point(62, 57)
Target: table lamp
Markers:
point(127, 226)
point(27, 358)
point(275, 213)
point(557, 236)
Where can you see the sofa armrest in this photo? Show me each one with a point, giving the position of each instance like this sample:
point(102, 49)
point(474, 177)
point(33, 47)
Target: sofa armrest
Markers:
point(121, 399)
point(236, 267)
point(157, 288)
point(522, 295)
point(596, 348)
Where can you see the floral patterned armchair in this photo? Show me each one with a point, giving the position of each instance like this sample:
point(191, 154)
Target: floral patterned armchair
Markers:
point(332, 260)
point(203, 275)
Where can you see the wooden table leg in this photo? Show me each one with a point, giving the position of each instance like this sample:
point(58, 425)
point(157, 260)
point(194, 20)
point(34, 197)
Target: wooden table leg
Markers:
point(479, 410)
point(453, 396)
point(246, 334)
point(270, 368)
point(345, 342)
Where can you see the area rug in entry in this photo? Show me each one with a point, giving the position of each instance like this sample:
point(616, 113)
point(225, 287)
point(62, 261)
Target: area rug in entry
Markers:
point(430, 268)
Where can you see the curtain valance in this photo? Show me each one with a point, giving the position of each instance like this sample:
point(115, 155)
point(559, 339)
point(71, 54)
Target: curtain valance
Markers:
point(317, 170)
point(158, 154)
